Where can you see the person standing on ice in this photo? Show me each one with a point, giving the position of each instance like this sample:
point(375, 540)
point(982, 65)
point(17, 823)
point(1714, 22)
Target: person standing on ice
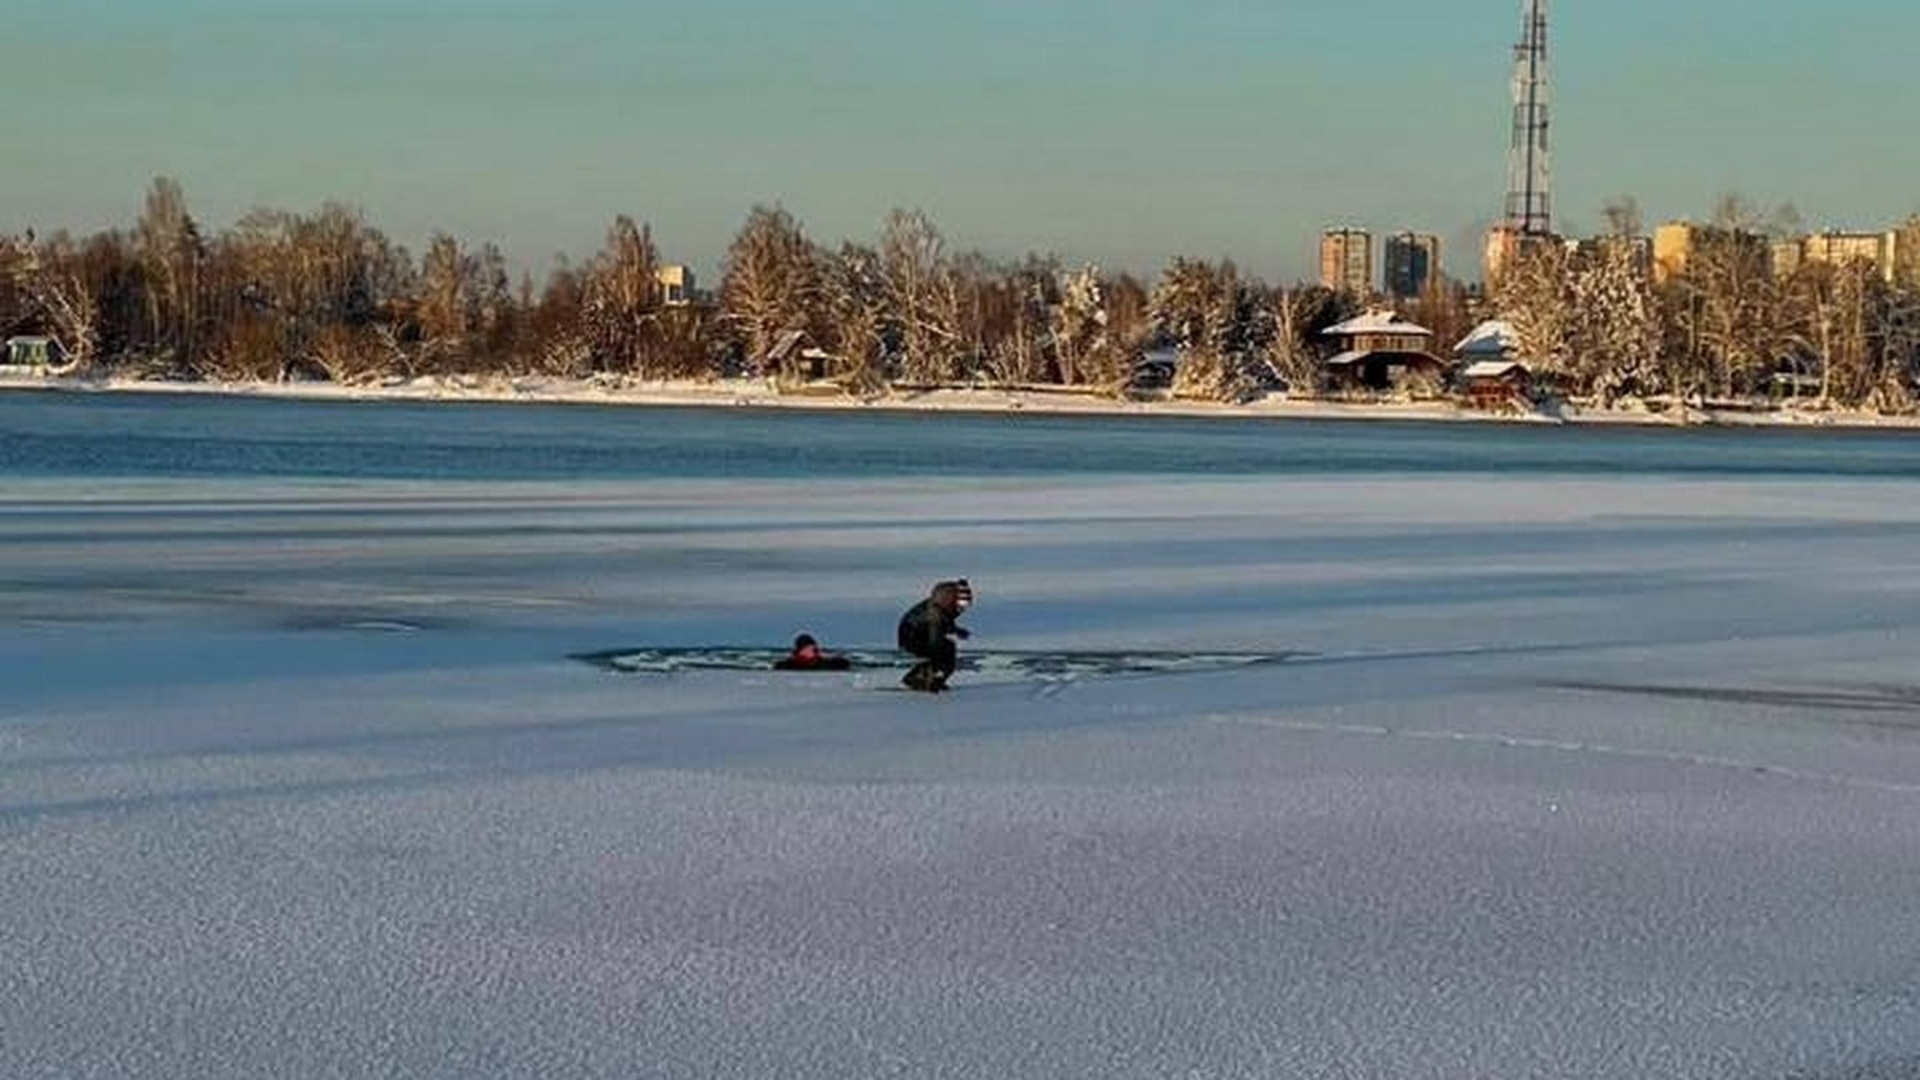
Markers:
point(928, 630)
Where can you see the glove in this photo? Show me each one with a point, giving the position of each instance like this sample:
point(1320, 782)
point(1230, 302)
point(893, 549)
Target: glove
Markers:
point(962, 633)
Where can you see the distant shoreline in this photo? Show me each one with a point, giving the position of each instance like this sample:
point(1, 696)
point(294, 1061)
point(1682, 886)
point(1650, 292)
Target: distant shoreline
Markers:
point(758, 394)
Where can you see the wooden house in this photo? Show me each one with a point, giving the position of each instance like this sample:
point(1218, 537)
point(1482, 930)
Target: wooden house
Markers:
point(1497, 384)
point(1380, 352)
point(794, 360)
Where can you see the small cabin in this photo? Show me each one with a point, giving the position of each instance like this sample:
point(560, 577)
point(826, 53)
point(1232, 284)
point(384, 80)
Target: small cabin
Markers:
point(1497, 384)
point(35, 352)
point(1153, 371)
point(794, 359)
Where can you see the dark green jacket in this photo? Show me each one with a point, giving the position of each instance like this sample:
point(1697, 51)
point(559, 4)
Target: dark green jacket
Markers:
point(925, 625)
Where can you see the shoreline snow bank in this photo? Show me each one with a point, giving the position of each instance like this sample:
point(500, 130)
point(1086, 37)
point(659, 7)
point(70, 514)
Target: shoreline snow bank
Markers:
point(756, 393)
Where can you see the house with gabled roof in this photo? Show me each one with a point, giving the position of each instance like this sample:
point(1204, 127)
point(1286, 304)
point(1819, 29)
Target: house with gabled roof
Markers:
point(1490, 376)
point(794, 358)
point(1379, 352)
point(1494, 339)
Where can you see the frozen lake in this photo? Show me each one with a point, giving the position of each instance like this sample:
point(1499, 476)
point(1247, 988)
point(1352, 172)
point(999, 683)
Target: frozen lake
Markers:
point(1595, 756)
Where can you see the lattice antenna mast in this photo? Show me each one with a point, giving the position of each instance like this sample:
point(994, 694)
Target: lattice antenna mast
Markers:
point(1529, 189)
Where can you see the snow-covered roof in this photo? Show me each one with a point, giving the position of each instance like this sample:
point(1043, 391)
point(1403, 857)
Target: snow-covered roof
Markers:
point(1493, 369)
point(1495, 337)
point(785, 344)
point(1390, 357)
point(1377, 322)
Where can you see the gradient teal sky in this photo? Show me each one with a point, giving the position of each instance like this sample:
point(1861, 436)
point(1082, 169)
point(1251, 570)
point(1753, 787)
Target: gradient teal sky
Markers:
point(1121, 132)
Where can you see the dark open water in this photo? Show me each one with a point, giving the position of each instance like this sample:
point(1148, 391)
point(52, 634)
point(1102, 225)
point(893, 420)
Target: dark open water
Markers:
point(64, 434)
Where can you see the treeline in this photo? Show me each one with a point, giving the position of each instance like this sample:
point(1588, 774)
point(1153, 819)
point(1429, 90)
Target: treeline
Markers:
point(1732, 321)
point(326, 295)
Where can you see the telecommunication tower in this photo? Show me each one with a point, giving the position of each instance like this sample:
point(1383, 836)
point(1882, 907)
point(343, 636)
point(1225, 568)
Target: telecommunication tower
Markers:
point(1529, 191)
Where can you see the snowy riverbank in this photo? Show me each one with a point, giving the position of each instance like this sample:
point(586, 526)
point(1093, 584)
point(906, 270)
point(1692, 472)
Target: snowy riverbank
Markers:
point(756, 393)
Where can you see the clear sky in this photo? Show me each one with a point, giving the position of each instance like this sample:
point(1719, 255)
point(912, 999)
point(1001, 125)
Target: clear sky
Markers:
point(1121, 132)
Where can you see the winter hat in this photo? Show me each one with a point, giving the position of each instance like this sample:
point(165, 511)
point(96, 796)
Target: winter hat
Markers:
point(959, 593)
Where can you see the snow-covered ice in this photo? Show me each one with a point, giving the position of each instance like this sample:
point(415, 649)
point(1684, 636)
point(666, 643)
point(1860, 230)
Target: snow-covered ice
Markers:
point(1584, 778)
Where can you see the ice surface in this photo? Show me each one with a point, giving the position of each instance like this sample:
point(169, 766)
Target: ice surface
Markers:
point(1584, 778)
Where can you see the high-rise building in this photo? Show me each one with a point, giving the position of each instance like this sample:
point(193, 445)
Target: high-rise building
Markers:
point(1346, 260)
point(1789, 255)
point(1678, 244)
point(1636, 250)
point(1504, 245)
point(1673, 245)
point(1878, 249)
point(1412, 263)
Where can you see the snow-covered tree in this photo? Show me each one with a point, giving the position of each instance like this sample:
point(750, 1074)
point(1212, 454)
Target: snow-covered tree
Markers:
point(553, 339)
point(1535, 295)
point(919, 296)
point(1732, 310)
point(1080, 328)
point(1899, 342)
point(1616, 336)
point(771, 284)
point(73, 314)
point(279, 282)
point(857, 296)
point(1220, 324)
point(1182, 301)
point(1728, 306)
point(1300, 315)
point(444, 311)
point(1129, 315)
point(1016, 315)
point(622, 298)
point(171, 254)
point(1906, 253)
point(17, 269)
point(1860, 330)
